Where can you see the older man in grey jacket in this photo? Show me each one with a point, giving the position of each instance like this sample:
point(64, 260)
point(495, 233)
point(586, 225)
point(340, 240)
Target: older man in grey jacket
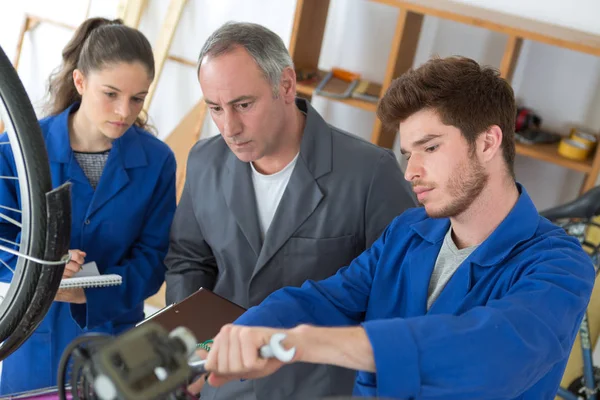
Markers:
point(278, 198)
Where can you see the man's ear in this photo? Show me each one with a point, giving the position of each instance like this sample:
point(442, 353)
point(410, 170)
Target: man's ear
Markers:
point(79, 81)
point(288, 84)
point(490, 142)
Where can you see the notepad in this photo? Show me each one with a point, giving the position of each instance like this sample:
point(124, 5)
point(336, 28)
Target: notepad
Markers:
point(88, 277)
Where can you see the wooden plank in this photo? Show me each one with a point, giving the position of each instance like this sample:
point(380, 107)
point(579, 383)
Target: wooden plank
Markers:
point(30, 22)
point(510, 57)
point(307, 32)
point(130, 11)
point(401, 59)
point(24, 29)
point(183, 138)
point(592, 176)
point(163, 45)
point(181, 141)
point(88, 9)
point(549, 153)
point(182, 60)
point(159, 299)
point(305, 90)
point(510, 24)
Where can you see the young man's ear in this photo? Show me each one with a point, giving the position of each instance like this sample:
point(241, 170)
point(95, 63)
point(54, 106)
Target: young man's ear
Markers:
point(79, 81)
point(490, 142)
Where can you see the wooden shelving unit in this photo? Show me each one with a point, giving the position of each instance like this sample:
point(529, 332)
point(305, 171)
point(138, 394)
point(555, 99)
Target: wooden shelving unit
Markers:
point(307, 89)
point(549, 153)
point(309, 27)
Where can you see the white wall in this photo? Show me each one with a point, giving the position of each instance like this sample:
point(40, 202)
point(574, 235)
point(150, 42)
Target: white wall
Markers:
point(561, 85)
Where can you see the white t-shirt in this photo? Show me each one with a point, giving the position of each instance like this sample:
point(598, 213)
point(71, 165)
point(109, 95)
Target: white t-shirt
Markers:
point(268, 190)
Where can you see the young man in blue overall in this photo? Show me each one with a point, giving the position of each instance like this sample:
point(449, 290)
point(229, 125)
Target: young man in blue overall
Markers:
point(472, 296)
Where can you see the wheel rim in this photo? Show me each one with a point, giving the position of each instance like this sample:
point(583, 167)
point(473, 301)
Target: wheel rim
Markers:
point(25, 196)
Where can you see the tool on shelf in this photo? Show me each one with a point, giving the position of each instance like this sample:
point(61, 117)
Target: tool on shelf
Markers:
point(343, 84)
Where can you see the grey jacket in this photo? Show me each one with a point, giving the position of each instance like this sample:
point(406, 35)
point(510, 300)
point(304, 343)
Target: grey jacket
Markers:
point(342, 193)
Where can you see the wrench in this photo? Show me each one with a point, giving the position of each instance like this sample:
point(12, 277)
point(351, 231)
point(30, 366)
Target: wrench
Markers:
point(272, 350)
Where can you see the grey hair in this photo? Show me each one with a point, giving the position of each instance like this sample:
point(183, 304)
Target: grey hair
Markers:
point(264, 46)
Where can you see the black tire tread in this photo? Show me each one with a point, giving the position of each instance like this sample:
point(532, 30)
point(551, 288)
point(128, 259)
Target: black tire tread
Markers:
point(32, 147)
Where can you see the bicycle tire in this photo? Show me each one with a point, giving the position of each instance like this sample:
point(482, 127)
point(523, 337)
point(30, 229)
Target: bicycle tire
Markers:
point(58, 205)
point(31, 159)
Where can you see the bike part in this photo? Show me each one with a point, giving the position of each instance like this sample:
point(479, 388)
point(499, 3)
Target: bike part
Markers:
point(33, 177)
point(578, 387)
point(57, 243)
point(585, 206)
point(585, 386)
point(575, 217)
point(144, 363)
point(77, 354)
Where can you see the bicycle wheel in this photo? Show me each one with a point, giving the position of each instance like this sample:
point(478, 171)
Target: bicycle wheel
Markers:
point(32, 182)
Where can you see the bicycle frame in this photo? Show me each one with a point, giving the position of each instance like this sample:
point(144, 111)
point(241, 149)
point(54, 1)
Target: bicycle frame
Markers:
point(590, 385)
point(589, 379)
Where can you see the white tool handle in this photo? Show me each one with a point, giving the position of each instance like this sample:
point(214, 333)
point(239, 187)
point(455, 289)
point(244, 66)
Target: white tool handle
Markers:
point(275, 350)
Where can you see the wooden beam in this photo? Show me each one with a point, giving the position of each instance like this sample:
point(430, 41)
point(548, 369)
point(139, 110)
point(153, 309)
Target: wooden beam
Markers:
point(181, 141)
point(88, 9)
point(592, 176)
point(182, 60)
point(506, 23)
point(401, 59)
point(307, 32)
point(510, 57)
point(130, 11)
point(35, 21)
point(163, 45)
point(159, 299)
point(30, 22)
point(24, 29)
point(183, 138)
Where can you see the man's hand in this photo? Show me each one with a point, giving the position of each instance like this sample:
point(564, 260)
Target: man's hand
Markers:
point(75, 265)
point(74, 295)
point(235, 353)
point(198, 384)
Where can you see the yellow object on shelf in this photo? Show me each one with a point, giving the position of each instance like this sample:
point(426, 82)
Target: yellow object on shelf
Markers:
point(573, 149)
point(585, 138)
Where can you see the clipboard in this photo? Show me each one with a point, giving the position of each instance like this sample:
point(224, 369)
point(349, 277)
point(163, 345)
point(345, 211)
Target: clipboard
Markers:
point(203, 312)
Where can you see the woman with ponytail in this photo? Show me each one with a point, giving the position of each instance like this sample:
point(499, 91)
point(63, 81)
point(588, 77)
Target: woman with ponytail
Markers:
point(123, 193)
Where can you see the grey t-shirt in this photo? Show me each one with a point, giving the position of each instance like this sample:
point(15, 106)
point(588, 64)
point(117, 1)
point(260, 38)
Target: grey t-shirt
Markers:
point(448, 261)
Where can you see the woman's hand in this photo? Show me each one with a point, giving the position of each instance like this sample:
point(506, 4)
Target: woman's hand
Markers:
point(76, 263)
point(74, 295)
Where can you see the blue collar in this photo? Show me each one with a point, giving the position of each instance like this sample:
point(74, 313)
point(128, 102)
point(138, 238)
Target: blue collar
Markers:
point(520, 224)
point(129, 146)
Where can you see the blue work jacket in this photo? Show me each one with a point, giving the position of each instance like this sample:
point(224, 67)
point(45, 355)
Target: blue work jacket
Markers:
point(502, 328)
point(123, 226)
